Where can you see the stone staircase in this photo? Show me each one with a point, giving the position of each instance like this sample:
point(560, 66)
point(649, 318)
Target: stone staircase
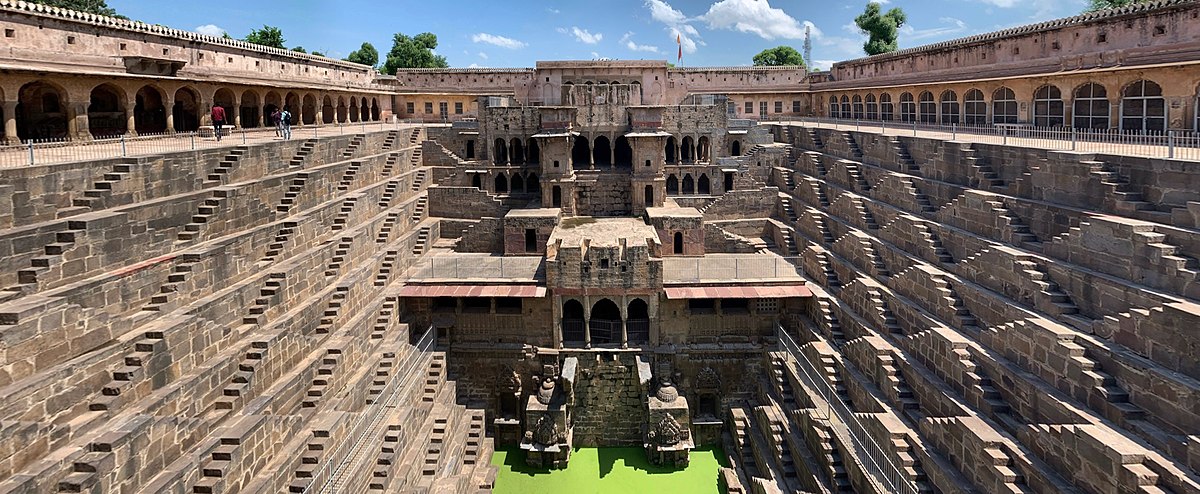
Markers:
point(293, 192)
point(419, 179)
point(163, 301)
point(389, 194)
point(348, 177)
point(383, 277)
point(339, 257)
point(221, 172)
point(385, 232)
point(418, 213)
point(906, 161)
point(352, 149)
point(281, 238)
point(96, 198)
point(422, 243)
point(390, 141)
point(343, 216)
point(212, 205)
point(302, 154)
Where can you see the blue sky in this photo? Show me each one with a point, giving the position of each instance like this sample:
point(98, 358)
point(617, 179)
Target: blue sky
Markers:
point(518, 33)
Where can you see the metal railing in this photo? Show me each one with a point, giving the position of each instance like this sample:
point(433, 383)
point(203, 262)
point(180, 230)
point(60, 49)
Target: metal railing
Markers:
point(65, 150)
point(725, 268)
point(872, 457)
point(333, 476)
point(1171, 144)
point(479, 267)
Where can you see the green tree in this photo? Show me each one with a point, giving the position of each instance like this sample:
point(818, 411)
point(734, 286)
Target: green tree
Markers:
point(882, 28)
point(413, 53)
point(317, 53)
point(299, 49)
point(267, 36)
point(366, 55)
point(97, 7)
point(780, 55)
point(1095, 5)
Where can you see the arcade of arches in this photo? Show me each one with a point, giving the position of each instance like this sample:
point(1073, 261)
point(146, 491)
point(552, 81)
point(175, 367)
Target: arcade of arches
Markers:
point(604, 323)
point(44, 109)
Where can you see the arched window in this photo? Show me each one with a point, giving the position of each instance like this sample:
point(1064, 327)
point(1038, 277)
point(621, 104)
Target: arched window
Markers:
point(974, 108)
point(501, 184)
point(886, 108)
point(1143, 108)
point(477, 181)
point(857, 105)
point(500, 152)
point(637, 324)
point(687, 151)
point(1091, 107)
point(605, 325)
point(532, 152)
point(735, 148)
point(516, 152)
point(950, 110)
point(106, 111)
point(689, 184)
point(834, 109)
point(622, 152)
point(601, 152)
point(846, 112)
point(702, 185)
point(581, 153)
point(927, 108)
point(672, 184)
point(1048, 107)
point(872, 108)
point(517, 184)
point(572, 322)
point(532, 185)
point(1004, 106)
point(702, 152)
point(670, 149)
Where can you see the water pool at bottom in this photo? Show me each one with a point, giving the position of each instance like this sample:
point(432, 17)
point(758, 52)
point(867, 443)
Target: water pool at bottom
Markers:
point(609, 471)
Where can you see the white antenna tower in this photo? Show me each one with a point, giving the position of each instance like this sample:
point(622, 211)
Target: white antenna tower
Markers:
point(808, 46)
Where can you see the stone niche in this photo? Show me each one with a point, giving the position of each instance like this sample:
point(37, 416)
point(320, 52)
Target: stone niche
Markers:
point(668, 436)
point(547, 439)
point(527, 230)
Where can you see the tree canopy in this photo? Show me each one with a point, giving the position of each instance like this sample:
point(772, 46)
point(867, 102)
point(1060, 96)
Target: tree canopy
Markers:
point(97, 7)
point(1094, 5)
point(299, 49)
point(780, 55)
point(267, 36)
point(882, 28)
point(366, 55)
point(412, 53)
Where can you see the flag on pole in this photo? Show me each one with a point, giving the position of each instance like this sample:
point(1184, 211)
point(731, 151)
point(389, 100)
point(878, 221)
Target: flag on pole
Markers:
point(679, 41)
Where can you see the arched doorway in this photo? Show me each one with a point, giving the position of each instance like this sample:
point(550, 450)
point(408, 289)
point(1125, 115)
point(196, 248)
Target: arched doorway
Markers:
point(476, 181)
point(501, 184)
point(518, 184)
point(365, 111)
point(702, 149)
point(670, 149)
point(581, 153)
point(1143, 108)
point(149, 112)
point(672, 184)
point(637, 323)
point(41, 112)
point(271, 103)
point(602, 152)
point(702, 185)
point(186, 113)
point(353, 114)
point(374, 109)
point(517, 151)
point(677, 242)
point(573, 323)
point(341, 110)
point(556, 197)
point(689, 184)
point(224, 99)
point(106, 111)
point(688, 150)
point(308, 115)
point(533, 152)
point(623, 153)
point(327, 111)
point(249, 109)
point(291, 103)
point(500, 152)
point(735, 149)
point(649, 196)
point(728, 181)
point(605, 324)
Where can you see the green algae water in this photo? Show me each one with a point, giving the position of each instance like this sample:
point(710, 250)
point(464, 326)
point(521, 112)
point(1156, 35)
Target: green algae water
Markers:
point(609, 471)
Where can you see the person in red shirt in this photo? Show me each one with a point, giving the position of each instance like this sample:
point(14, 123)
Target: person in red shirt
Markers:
point(218, 118)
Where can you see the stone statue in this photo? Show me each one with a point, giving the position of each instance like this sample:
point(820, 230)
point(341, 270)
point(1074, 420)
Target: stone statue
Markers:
point(546, 392)
point(666, 391)
point(668, 432)
point(545, 432)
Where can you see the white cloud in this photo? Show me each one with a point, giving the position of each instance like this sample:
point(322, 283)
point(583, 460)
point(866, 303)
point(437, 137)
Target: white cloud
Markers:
point(822, 64)
point(586, 37)
point(676, 23)
point(500, 41)
point(953, 26)
point(1002, 3)
point(474, 66)
point(483, 55)
point(553, 11)
point(211, 30)
point(880, 2)
point(753, 16)
point(627, 40)
point(596, 56)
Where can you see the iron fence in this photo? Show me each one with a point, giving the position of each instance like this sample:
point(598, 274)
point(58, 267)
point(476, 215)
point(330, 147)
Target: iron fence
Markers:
point(334, 475)
point(874, 459)
point(65, 150)
point(1170, 144)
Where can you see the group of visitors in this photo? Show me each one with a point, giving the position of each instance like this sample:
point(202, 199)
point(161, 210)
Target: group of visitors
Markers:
point(281, 118)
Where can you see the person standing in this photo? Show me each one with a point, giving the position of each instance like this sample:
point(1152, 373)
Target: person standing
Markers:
point(275, 121)
point(218, 119)
point(285, 122)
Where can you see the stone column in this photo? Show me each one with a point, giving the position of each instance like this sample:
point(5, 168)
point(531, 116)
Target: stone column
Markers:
point(169, 104)
point(10, 123)
point(237, 111)
point(320, 120)
point(624, 318)
point(587, 322)
point(205, 113)
point(130, 120)
point(77, 122)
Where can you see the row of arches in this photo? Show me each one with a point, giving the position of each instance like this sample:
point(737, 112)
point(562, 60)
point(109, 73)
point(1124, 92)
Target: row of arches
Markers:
point(604, 324)
point(688, 150)
point(601, 152)
point(513, 152)
point(1141, 107)
point(701, 185)
point(43, 109)
point(515, 183)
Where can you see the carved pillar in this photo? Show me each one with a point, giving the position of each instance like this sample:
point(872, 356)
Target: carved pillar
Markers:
point(320, 107)
point(237, 111)
point(205, 112)
point(130, 120)
point(169, 104)
point(77, 122)
point(10, 123)
point(624, 318)
point(587, 322)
